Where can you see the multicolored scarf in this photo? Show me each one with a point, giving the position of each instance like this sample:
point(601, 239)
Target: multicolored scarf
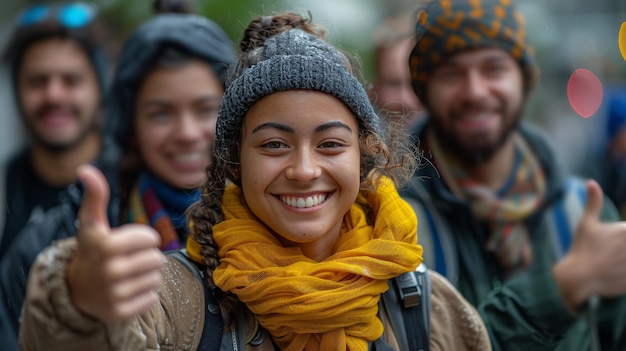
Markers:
point(504, 211)
point(310, 305)
point(155, 203)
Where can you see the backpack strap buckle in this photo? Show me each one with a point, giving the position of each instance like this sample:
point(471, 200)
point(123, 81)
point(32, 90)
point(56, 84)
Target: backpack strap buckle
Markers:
point(409, 289)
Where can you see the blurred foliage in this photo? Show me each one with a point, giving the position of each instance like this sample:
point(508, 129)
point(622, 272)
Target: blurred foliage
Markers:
point(122, 17)
point(233, 16)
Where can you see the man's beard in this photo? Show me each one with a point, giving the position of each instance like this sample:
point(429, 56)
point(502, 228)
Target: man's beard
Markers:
point(63, 146)
point(473, 155)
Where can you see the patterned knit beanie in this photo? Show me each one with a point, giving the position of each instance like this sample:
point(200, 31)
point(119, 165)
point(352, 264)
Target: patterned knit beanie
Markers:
point(446, 27)
point(291, 60)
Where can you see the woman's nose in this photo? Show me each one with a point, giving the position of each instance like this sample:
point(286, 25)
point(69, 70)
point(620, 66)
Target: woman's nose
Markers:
point(303, 167)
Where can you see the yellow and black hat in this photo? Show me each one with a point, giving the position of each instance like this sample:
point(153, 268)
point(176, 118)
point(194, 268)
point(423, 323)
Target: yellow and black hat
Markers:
point(446, 27)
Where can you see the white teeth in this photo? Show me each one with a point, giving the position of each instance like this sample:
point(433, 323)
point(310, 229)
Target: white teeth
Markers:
point(303, 202)
point(188, 157)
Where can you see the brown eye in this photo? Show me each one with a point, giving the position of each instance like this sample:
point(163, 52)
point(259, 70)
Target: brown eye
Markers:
point(274, 145)
point(159, 115)
point(37, 81)
point(207, 111)
point(73, 80)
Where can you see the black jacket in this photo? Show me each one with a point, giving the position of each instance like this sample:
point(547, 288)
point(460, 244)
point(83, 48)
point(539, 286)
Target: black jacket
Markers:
point(58, 223)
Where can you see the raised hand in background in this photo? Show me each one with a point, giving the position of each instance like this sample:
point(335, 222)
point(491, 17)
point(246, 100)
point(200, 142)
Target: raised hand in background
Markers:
point(596, 263)
point(115, 272)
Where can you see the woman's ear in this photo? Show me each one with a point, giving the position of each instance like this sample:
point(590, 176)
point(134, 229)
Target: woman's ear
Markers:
point(235, 174)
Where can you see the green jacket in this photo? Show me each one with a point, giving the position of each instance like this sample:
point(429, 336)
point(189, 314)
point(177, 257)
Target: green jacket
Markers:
point(525, 312)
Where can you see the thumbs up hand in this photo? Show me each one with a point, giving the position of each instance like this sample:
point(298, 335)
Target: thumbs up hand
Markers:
point(596, 263)
point(114, 272)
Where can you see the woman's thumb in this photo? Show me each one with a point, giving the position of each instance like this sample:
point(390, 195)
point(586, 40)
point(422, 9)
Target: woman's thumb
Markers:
point(93, 210)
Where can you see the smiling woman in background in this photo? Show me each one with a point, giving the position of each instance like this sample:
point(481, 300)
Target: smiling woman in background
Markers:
point(161, 118)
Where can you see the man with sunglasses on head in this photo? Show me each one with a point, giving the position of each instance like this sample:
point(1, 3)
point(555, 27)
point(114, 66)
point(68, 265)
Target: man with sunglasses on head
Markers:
point(57, 64)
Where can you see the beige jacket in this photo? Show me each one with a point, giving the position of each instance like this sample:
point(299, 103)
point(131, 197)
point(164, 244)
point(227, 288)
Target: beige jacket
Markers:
point(50, 322)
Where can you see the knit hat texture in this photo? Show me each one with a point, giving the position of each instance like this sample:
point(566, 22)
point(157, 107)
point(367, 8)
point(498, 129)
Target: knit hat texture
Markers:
point(291, 60)
point(197, 35)
point(447, 27)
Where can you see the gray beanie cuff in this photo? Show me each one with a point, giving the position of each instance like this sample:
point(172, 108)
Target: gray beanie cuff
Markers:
point(280, 73)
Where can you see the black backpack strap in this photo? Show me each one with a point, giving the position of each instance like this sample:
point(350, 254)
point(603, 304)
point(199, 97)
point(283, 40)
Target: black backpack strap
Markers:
point(408, 306)
point(213, 322)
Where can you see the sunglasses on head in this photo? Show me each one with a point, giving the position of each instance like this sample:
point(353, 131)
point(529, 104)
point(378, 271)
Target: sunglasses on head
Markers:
point(72, 15)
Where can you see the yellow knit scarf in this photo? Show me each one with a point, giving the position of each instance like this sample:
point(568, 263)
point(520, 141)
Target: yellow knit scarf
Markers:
point(309, 305)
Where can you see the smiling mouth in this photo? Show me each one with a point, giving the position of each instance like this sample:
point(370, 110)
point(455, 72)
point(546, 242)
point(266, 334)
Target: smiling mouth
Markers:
point(56, 117)
point(303, 201)
point(478, 120)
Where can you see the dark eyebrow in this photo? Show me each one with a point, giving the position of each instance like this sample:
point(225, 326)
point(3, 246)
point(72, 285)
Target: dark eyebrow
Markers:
point(495, 58)
point(200, 100)
point(491, 57)
point(334, 124)
point(208, 98)
point(282, 127)
point(278, 126)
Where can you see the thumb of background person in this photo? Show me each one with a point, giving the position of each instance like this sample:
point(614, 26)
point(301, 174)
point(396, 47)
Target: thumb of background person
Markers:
point(92, 215)
point(596, 263)
point(113, 274)
point(593, 207)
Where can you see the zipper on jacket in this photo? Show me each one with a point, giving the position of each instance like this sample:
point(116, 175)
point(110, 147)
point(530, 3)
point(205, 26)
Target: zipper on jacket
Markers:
point(233, 334)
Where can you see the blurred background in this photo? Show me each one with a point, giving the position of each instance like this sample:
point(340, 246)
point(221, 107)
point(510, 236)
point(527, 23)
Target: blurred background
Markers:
point(567, 34)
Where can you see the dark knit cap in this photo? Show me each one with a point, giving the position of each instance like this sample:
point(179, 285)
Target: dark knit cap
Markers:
point(195, 35)
point(447, 27)
point(291, 60)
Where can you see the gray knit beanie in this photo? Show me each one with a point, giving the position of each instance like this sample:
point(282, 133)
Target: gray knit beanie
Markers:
point(291, 60)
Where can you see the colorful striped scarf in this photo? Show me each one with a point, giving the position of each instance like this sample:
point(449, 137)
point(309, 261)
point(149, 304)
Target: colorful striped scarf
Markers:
point(505, 210)
point(155, 203)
